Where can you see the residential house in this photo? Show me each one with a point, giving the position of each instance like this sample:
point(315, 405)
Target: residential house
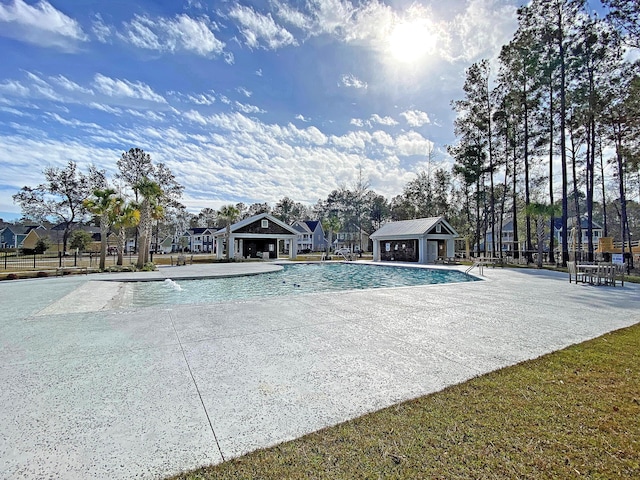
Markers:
point(508, 245)
point(13, 236)
point(352, 237)
point(575, 242)
point(201, 239)
point(311, 237)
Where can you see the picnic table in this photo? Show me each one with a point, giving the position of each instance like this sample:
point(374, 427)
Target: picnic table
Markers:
point(596, 274)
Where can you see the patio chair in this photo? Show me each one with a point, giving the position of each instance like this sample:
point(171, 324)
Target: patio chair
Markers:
point(618, 272)
point(607, 273)
point(574, 273)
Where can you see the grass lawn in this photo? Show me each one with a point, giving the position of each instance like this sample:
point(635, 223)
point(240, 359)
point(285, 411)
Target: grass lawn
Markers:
point(573, 413)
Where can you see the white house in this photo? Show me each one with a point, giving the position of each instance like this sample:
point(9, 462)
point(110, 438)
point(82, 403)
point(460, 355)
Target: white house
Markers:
point(423, 240)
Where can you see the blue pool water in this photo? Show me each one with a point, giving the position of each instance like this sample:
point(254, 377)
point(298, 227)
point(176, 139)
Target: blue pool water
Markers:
point(291, 280)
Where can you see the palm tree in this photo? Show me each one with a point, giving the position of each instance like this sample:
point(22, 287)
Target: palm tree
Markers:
point(126, 216)
point(228, 214)
point(331, 225)
point(150, 209)
point(102, 205)
point(540, 212)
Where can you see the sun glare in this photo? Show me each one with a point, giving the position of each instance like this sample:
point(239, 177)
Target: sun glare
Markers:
point(410, 41)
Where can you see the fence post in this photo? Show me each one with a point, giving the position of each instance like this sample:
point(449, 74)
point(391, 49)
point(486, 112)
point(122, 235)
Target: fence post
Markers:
point(59, 259)
point(75, 259)
point(34, 261)
point(5, 259)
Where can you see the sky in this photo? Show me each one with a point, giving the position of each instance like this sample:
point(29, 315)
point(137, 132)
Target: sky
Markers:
point(244, 100)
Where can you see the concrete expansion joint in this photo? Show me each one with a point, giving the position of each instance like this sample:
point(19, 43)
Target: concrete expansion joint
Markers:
point(195, 384)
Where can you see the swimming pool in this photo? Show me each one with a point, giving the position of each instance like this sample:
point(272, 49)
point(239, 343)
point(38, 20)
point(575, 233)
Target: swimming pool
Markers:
point(291, 280)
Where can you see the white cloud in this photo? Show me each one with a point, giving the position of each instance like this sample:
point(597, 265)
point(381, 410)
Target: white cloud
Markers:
point(202, 99)
point(247, 108)
point(195, 116)
point(330, 16)
point(73, 122)
point(352, 140)
point(382, 138)
point(244, 91)
point(260, 30)
point(293, 17)
point(351, 81)
point(101, 30)
point(415, 118)
point(69, 85)
point(105, 108)
point(43, 88)
point(301, 118)
point(358, 122)
point(194, 34)
point(14, 111)
point(14, 88)
point(480, 31)
point(40, 24)
point(172, 34)
point(412, 143)
point(125, 89)
point(371, 22)
point(388, 121)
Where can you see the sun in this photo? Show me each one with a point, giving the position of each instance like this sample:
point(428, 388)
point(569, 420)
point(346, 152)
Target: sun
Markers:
point(410, 41)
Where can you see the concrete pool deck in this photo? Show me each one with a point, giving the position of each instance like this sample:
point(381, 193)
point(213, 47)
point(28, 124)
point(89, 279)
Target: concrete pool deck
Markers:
point(93, 390)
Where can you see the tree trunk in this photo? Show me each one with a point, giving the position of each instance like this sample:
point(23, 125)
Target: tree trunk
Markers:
point(563, 144)
point(104, 231)
point(122, 244)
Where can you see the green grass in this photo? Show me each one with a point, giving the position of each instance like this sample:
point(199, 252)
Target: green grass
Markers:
point(570, 414)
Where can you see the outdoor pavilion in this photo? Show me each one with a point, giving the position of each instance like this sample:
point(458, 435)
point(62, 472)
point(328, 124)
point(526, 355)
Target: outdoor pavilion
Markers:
point(422, 240)
point(255, 237)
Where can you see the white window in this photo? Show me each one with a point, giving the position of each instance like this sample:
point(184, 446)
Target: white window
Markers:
point(438, 228)
point(265, 223)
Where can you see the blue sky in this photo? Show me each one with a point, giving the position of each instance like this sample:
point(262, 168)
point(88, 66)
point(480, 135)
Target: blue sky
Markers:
point(246, 101)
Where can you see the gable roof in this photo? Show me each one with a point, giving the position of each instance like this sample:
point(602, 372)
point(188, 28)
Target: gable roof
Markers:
point(312, 224)
point(571, 222)
point(301, 226)
point(201, 230)
point(416, 228)
point(248, 221)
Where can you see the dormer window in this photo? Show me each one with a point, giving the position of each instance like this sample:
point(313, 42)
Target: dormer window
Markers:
point(265, 223)
point(438, 228)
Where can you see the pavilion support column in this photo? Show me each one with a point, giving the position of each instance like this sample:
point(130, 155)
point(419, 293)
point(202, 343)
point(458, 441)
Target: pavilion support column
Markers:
point(219, 247)
point(376, 250)
point(293, 249)
point(451, 248)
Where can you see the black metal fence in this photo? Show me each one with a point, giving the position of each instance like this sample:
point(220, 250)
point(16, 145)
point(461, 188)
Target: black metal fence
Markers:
point(15, 262)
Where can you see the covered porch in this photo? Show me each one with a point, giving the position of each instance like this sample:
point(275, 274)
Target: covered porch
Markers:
point(256, 237)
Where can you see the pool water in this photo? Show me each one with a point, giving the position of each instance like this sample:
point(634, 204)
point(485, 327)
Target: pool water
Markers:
point(291, 280)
